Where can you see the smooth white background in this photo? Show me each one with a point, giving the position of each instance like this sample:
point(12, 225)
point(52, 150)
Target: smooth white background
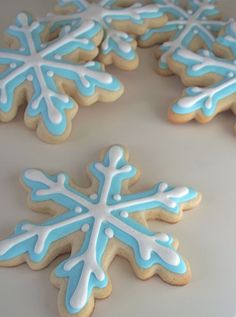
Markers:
point(199, 156)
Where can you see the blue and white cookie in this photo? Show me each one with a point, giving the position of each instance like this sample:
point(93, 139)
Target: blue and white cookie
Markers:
point(94, 225)
point(52, 78)
point(121, 21)
point(193, 27)
point(210, 78)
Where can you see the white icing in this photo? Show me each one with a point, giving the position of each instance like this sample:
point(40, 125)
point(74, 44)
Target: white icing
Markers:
point(93, 196)
point(120, 39)
point(124, 214)
point(117, 197)
point(206, 93)
point(92, 221)
point(85, 228)
point(40, 232)
point(189, 22)
point(104, 16)
point(78, 210)
point(79, 298)
point(36, 59)
point(109, 233)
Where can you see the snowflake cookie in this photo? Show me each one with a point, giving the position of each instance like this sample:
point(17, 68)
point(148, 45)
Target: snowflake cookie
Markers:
point(95, 225)
point(120, 24)
point(48, 78)
point(193, 28)
point(211, 78)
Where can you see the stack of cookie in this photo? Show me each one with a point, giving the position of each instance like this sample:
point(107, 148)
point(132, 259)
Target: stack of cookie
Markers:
point(59, 62)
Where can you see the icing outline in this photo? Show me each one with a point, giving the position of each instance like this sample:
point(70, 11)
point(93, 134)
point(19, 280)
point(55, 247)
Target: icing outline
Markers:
point(41, 65)
point(105, 214)
point(118, 43)
point(197, 22)
point(203, 103)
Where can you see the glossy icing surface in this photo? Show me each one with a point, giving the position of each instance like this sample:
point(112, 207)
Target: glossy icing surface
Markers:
point(106, 13)
point(105, 214)
point(204, 63)
point(196, 23)
point(39, 64)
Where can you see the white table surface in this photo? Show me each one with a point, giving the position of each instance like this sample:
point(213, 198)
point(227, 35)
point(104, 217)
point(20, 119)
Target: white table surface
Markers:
point(199, 156)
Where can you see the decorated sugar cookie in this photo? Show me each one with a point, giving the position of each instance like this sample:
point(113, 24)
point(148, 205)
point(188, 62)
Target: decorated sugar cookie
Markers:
point(48, 78)
point(94, 225)
point(211, 78)
point(120, 24)
point(192, 28)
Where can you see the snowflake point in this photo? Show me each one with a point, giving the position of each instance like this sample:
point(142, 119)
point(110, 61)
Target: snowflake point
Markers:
point(109, 212)
point(51, 109)
point(203, 103)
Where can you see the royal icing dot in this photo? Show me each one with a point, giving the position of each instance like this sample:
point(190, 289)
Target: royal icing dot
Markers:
point(57, 57)
point(13, 65)
point(134, 18)
point(231, 74)
point(84, 267)
point(124, 214)
point(93, 196)
point(78, 210)
point(181, 28)
point(109, 233)
point(85, 228)
point(117, 197)
point(208, 100)
point(48, 104)
point(30, 78)
point(50, 73)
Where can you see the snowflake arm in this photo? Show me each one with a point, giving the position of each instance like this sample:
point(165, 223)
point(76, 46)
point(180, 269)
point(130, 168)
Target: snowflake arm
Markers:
point(87, 266)
point(162, 197)
point(44, 70)
point(57, 189)
point(216, 76)
point(149, 248)
point(183, 28)
point(32, 242)
point(95, 228)
point(121, 24)
point(227, 40)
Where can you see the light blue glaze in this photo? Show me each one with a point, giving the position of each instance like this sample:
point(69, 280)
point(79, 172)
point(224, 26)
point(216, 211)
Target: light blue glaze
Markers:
point(186, 35)
point(228, 38)
point(37, 181)
point(28, 34)
point(113, 13)
point(226, 69)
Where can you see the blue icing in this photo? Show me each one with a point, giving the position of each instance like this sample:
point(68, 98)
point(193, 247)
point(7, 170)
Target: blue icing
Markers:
point(157, 204)
point(155, 258)
point(39, 62)
point(114, 46)
point(228, 39)
point(207, 99)
point(23, 248)
point(84, 9)
point(100, 218)
point(201, 103)
point(180, 28)
point(75, 274)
